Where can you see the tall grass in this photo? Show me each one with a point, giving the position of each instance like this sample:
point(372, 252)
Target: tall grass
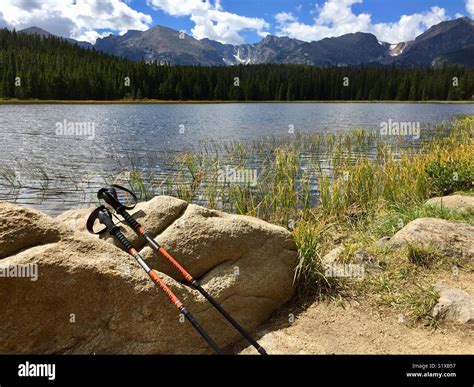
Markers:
point(335, 174)
point(347, 185)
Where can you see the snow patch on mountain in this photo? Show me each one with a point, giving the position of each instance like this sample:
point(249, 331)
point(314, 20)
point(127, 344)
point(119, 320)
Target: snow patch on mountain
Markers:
point(241, 60)
point(398, 48)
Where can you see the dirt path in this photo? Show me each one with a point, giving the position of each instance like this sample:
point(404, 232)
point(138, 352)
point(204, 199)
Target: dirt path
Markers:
point(357, 329)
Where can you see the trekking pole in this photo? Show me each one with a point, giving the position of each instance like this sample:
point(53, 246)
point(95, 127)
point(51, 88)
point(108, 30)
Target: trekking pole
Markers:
point(109, 195)
point(105, 217)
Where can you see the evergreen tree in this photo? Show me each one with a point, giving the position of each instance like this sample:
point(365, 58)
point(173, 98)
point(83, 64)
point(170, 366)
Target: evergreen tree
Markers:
point(52, 68)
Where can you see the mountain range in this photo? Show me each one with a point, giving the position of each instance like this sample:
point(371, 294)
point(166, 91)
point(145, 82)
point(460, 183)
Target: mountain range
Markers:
point(46, 34)
point(450, 42)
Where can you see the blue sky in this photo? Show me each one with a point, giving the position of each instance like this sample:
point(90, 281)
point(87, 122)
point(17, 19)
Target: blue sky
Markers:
point(235, 21)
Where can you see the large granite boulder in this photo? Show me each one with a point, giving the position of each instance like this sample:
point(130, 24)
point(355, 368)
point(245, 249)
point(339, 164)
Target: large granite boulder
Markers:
point(460, 203)
point(91, 297)
point(454, 305)
point(455, 239)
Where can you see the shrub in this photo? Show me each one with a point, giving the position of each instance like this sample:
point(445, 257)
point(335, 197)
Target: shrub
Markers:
point(448, 176)
point(423, 255)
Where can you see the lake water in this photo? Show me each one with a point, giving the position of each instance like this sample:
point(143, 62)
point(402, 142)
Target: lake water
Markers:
point(36, 142)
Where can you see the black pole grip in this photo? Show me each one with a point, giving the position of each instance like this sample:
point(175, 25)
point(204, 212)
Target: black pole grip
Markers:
point(128, 218)
point(104, 216)
point(106, 220)
point(122, 239)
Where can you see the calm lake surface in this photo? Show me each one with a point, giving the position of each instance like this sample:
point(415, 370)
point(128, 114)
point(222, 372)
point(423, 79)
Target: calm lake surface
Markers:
point(51, 170)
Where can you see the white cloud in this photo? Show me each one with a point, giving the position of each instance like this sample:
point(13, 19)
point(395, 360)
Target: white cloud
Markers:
point(284, 17)
point(336, 17)
point(79, 19)
point(470, 7)
point(211, 21)
point(90, 19)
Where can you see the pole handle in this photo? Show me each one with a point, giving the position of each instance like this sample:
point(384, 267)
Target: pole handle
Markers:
point(104, 216)
point(110, 196)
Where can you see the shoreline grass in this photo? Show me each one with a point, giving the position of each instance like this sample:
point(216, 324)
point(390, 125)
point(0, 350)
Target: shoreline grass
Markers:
point(361, 199)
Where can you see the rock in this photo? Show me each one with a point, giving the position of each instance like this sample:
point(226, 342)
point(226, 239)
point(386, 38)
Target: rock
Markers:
point(204, 239)
point(383, 242)
point(91, 297)
point(363, 257)
point(332, 256)
point(454, 239)
point(22, 228)
point(454, 305)
point(75, 219)
point(459, 203)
